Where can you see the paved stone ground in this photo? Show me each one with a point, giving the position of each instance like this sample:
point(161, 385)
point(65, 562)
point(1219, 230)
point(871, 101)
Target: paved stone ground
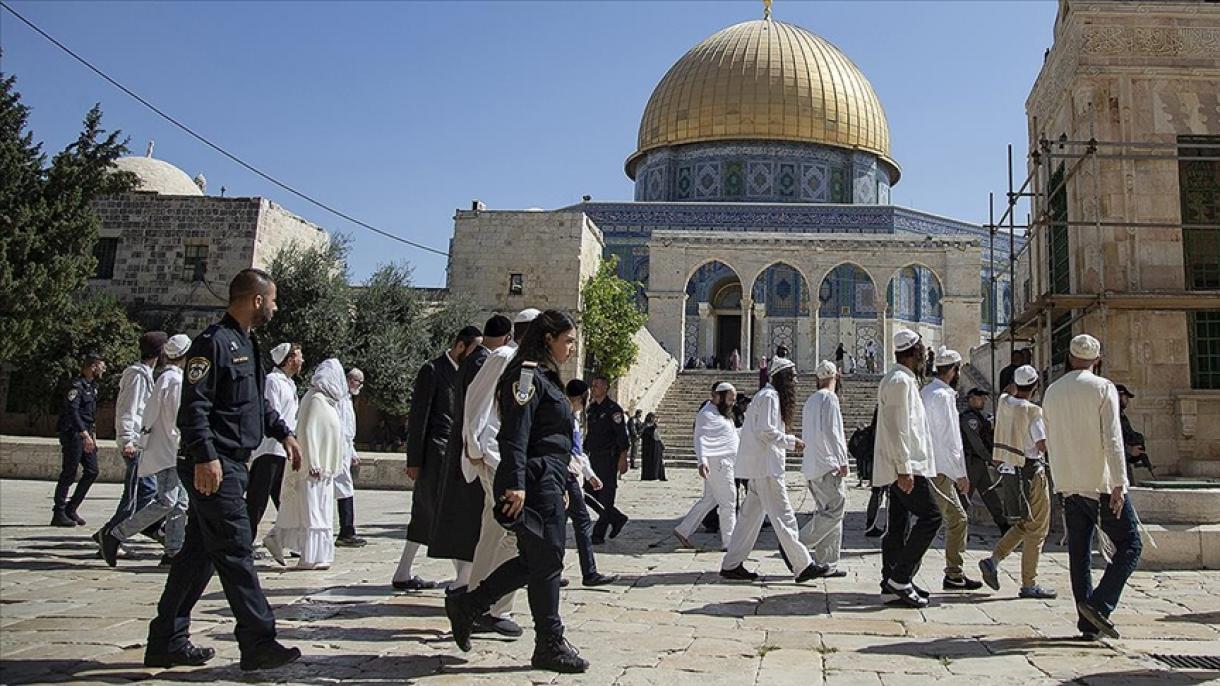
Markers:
point(65, 616)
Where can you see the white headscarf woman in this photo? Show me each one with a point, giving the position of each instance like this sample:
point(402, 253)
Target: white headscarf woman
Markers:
point(305, 522)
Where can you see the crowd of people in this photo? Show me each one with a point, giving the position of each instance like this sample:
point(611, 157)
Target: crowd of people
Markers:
point(503, 453)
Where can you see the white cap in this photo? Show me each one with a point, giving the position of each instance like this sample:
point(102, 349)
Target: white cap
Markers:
point(1025, 376)
point(779, 364)
point(725, 386)
point(1085, 347)
point(177, 346)
point(905, 339)
point(825, 370)
point(946, 357)
point(280, 352)
point(527, 315)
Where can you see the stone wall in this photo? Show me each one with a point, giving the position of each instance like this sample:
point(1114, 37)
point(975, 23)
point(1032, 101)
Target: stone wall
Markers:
point(1136, 72)
point(278, 228)
point(652, 374)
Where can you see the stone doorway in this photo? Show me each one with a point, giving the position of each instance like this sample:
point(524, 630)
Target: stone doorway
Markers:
point(728, 337)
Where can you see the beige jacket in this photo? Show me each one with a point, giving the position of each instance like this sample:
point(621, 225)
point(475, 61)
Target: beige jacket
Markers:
point(1084, 436)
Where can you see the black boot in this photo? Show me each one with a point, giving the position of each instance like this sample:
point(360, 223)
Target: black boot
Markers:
point(555, 654)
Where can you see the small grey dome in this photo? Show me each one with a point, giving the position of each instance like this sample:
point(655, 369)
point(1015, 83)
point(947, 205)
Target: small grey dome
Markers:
point(158, 176)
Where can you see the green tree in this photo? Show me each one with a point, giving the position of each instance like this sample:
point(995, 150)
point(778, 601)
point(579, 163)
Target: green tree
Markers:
point(609, 320)
point(48, 230)
point(388, 343)
point(443, 323)
point(314, 300)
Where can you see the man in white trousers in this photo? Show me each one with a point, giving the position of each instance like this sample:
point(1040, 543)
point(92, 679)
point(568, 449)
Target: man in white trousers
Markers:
point(760, 461)
point(825, 466)
point(715, 441)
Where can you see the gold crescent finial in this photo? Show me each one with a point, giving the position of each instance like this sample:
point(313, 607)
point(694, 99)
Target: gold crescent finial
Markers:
point(766, 9)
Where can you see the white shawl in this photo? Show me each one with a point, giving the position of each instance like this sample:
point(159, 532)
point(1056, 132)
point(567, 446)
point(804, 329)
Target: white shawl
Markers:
point(319, 429)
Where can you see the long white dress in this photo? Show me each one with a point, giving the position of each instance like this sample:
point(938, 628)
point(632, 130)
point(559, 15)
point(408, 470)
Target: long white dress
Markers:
point(305, 521)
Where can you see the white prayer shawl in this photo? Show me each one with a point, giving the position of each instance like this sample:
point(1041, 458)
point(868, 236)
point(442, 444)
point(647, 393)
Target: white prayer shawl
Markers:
point(822, 431)
point(1014, 418)
point(716, 439)
point(944, 427)
point(344, 486)
point(764, 438)
point(480, 420)
point(159, 442)
point(1084, 435)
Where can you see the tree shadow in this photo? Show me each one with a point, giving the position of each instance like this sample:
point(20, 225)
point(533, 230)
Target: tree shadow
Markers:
point(1212, 618)
point(1140, 677)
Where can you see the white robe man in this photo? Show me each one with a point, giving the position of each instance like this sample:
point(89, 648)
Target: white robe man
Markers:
point(716, 440)
point(903, 460)
point(480, 424)
point(159, 460)
point(1088, 466)
point(1020, 444)
point(267, 469)
point(305, 520)
point(760, 461)
point(345, 487)
point(825, 466)
point(950, 483)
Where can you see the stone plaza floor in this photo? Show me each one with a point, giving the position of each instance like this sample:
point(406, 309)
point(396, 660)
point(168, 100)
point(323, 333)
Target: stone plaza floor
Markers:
point(67, 617)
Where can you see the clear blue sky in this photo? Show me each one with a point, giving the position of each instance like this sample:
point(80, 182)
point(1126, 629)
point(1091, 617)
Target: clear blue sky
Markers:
point(398, 113)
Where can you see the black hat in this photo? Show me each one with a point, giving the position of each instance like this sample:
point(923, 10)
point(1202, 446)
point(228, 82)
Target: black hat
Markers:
point(1122, 390)
point(497, 326)
point(151, 343)
point(974, 392)
point(576, 388)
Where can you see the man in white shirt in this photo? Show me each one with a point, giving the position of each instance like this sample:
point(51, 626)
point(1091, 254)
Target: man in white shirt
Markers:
point(940, 402)
point(267, 469)
point(903, 459)
point(760, 461)
point(345, 484)
point(1085, 442)
point(159, 461)
point(1020, 444)
point(825, 466)
point(715, 441)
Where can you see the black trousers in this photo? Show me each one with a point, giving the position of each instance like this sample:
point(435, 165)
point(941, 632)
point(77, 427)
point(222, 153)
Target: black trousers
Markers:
point(539, 563)
point(347, 517)
point(981, 482)
point(904, 543)
point(582, 527)
point(266, 474)
point(606, 467)
point(218, 538)
point(74, 456)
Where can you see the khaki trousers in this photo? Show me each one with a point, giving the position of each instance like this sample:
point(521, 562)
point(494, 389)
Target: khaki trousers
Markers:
point(956, 523)
point(496, 545)
point(1029, 533)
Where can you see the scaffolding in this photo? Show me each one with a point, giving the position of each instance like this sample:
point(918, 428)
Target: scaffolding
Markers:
point(1048, 313)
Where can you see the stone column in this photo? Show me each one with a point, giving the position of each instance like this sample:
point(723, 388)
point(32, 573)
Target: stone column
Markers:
point(707, 329)
point(747, 330)
point(960, 327)
point(666, 320)
point(884, 335)
point(759, 342)
point(815, 336)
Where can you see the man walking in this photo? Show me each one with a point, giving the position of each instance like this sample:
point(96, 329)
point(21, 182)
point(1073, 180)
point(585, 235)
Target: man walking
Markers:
point(825, 468)
point(345, 484)
point(950, 483)
point(635, 429)
point(429, 427)
point(78, 442)
point(267, 469)
point(1020, 447)
point(1085, 440)
point(222, 419)
point(977, 445)
point(903, 460)
point(607, 445)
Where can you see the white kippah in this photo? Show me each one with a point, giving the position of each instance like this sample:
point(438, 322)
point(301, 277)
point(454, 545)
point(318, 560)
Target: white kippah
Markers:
point(725, 386)
point(527, 315)
point(946, 357)
point(177, 346)
point(1085, 347)
point(825, 370)
point(905, 339)
point(280, 352)
point(1025, 375)
point(779, 364)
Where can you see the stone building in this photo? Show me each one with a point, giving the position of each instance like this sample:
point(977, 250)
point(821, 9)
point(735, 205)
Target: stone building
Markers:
point(1124, 125)
point(761, 216)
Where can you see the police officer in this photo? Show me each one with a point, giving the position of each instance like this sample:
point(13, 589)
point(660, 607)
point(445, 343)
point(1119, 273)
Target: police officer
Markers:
point(607, 443)
point(977, 434)
point(78, 441)
point(222, 420)
point(535, 442)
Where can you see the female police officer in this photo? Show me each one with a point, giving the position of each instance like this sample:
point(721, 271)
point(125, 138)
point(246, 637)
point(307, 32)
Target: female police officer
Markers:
point(535, 442)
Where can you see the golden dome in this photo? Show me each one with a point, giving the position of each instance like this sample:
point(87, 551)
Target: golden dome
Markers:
point(765, 80)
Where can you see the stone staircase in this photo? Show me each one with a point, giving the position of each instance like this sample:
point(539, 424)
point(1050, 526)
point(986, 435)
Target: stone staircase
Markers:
point(676, 413)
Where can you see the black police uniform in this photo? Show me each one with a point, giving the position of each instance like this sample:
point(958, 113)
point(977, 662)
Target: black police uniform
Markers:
point(535, 442)
point(977, 434)
point(605, 440)
point(223, 416)
point(76, 418)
